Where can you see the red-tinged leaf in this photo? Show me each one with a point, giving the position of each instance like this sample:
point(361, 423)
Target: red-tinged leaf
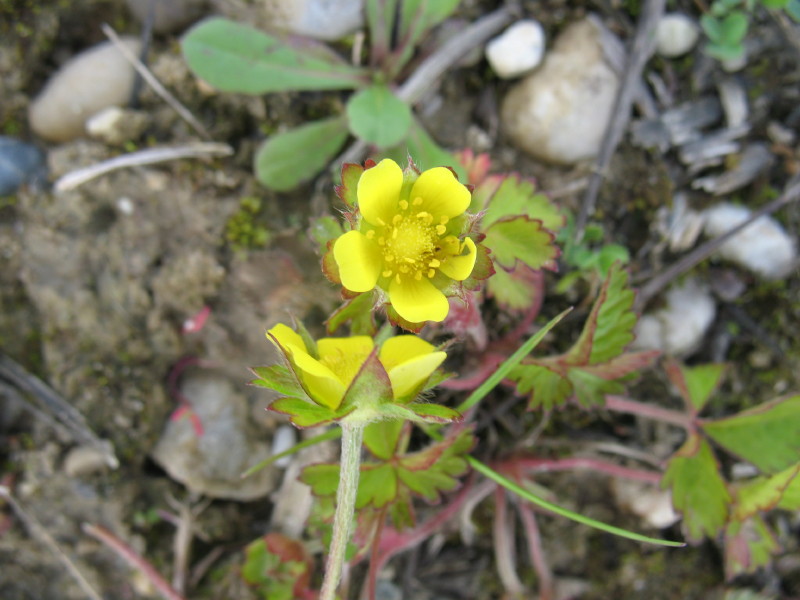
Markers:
point(623, 365)
point(381, 438)
point(279, 379)
point(698, 490)
point(305, 414)
point(279, 567)
point(749, 545)
point(436, 468)
point(590, 389)
point(546, 387)
point(790, 500)
point(360, 310)
point(763, 493)
point(520, 289)
point(767, 436)
point(695, 384)
point(522, 239)
point(371, 388)
point(346, 192)
point(483, 269)
point(330, 268)
point(609, 328)
point(476, 165)
point(518, 197)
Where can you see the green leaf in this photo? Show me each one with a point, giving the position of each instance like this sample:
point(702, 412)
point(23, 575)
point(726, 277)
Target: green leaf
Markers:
point(280, 379)
point(724, 51)
point(610, 254)
point(790, 500)
point(774, 4)
point(378, 117)
point(287, 159)
point(609, 328)
point(516, 196)
point(380, 20)
point(278, 567)
point(417, 17)
point(698, 490)
point(237, 58)
point(546, 388)
point(767, 436)
point(590, 389)
point(521, 238)
point(377, 485)
point(381, 438)
point(425, 152)
point(518, 289)
point(793, 10)
point(435, 469)
point(763, 493)
point(749, 545)
point(712, 27)
point(695, 384)
point(733, 28)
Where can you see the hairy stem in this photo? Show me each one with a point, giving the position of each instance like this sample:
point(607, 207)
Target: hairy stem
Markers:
point(352, 436)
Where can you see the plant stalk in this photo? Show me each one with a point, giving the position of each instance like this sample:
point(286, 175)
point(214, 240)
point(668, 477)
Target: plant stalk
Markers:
point(349, 471)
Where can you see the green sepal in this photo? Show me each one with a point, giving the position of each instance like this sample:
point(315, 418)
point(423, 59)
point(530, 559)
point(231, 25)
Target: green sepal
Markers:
point(305, 414)
point(347, 191)
point(369, 390)
point(698, 490)
point(767, 435)
point(280, 379)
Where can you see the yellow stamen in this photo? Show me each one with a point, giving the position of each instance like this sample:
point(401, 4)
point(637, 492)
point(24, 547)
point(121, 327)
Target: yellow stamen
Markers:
point(404, 204)
point(397, 219)
point(371, 234)
point(431, 273)
point(435, 263)
point(397, 278)
point(417, 201)
point(387, 273)
point(440, 229)
point(381, 241)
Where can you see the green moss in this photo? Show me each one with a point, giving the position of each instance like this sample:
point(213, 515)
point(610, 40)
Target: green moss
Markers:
point(243, 230)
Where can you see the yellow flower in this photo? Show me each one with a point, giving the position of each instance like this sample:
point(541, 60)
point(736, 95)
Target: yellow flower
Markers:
point(407, 242)
point(407, 359)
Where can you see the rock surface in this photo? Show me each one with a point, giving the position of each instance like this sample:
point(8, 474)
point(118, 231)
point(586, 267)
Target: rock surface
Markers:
point(559, 113)
point(91, 81)
point(211, 463)
point(168, 15)
point(676, 34)
point(19, 163)
point(320, 19)
point(517, 50)
point(763, 247)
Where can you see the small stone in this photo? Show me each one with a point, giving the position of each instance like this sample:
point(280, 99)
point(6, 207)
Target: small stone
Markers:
point(559, 113)
point(91, 81)
point(320, 19)
point(651, 504)
point(676, 34)
point(19, 163)
point(763, 247)
point(519, 49)
point(678, 329)
point(84, 460)
point(115, 125)
point(168, 15)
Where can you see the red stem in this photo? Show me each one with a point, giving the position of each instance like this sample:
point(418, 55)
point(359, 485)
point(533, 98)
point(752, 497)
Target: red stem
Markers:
point(625, 405)
point(595, 464)
point(372, 574)
point(538, 560)
point(133, 559)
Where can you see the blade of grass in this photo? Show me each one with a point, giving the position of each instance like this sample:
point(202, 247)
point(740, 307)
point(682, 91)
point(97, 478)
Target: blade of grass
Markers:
point(331, 434)
point(511, 362)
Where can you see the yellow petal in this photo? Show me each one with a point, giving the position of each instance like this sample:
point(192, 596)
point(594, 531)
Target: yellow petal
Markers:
point(322, 384)
point(359, 260)
point(379, 192)
point(409, 360)
point(287, 337)
point(418, 301)
point(442, 195)
point(460, 267)
point(345, 356)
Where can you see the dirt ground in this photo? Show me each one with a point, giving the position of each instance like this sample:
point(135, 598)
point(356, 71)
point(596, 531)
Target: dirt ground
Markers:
point(97, 285)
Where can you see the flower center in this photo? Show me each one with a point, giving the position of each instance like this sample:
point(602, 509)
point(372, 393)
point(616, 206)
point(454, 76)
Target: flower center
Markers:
point(412, 244)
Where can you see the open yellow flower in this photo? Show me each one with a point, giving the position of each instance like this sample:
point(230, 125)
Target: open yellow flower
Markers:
point(407, 242)
point(407, 359)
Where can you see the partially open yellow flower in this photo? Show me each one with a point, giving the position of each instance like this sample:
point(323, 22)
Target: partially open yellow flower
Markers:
point(407, 242)
point(407, 359)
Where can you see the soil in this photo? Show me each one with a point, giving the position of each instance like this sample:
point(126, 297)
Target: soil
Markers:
point(97, 285)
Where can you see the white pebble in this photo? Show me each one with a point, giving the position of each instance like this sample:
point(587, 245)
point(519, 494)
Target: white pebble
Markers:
point(283, 439)
point(647, 501)
point(84, 460)
point(320, 19)
point(517, 50)
point(676, 34)
point(678, 328)
point(762, 247)
point(91, 81)
point(125, 205)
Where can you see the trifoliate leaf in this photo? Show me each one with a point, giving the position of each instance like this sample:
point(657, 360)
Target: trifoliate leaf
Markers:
point(698, 490)
point(590, 389)
point(609, 328)
point(763, 493)
point(519, 289)
point(767, 436)
point(517, 197)
point(524, 239)
point(695, 384)
point(749, 545)
point(435, 469)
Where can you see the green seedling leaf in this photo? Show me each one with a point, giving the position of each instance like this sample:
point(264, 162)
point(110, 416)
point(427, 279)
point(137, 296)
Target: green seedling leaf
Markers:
point(378, 117)
point(698, 490)
point(609, 328)
point(516, 196)
point(348, 190)
point(733, 28)
point(712, 27)
point(724, 51)
point(287, 159)
point(749, 545)
point(513, 239)
point(763, 493)
point(518, 289)
point(695, 384)
point(767, 436)
point(237, 58)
